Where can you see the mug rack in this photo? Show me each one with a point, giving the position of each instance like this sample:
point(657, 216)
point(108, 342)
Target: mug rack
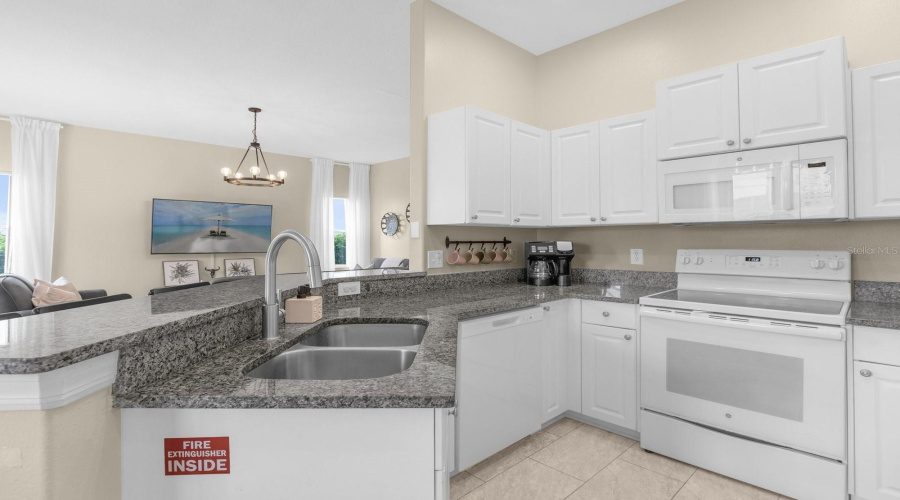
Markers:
point(504, 242)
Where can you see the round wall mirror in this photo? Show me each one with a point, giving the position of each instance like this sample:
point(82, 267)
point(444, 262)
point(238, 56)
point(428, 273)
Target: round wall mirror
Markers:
point(390, 223)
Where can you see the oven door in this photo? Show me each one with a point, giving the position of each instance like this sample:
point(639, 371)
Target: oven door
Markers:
point(746, 186)
point(771, 381)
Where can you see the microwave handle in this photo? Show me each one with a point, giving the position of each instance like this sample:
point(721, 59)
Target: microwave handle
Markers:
point(787, 185)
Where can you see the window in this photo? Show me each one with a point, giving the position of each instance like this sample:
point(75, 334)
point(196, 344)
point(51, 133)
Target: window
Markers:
point(4, 218)
point(340, 231)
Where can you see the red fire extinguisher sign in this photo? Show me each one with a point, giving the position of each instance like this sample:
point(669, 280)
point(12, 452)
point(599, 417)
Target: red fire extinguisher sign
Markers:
point(198, 455)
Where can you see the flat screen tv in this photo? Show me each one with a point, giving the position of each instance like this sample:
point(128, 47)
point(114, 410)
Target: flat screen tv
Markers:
point(182, 226)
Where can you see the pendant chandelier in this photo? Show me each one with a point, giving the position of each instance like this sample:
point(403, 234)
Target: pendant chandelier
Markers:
point(255, 179)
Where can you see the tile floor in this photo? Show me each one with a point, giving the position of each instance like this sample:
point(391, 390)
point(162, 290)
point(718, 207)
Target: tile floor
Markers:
point(575, 461)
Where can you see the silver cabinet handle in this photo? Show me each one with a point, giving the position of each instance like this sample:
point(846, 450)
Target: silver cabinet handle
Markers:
point(593, 219)
point(627, 337)
point(747, 141)
point(546, 308)
point(452, 411)
point(602, 219)
point(730, 143)
point(516, 219)
point(605, 314)
point(474, 217)
point(865, 373)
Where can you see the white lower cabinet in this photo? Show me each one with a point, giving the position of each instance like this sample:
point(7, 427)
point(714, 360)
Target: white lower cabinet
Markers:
point(609, 374)
point(554, 354)
point(876, 412)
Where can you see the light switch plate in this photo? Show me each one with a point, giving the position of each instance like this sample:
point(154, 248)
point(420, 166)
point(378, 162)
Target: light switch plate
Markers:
point(348, 288)
point(414, 230)
point(435, 259)
point(637, 256)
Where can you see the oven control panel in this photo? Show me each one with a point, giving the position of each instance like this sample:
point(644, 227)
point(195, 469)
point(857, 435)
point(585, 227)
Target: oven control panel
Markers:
point(830, 265)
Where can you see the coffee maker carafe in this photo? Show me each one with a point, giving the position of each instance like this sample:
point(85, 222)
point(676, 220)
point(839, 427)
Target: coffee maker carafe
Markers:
point(548, 262)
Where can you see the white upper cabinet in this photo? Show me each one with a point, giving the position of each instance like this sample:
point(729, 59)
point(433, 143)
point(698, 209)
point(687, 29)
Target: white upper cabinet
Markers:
point(876, 132)
point(469, 168)
point(697, 114)
point(628, 170)
point(487, 167)
point(793, 96)
point(530, 173)
point(576, 175)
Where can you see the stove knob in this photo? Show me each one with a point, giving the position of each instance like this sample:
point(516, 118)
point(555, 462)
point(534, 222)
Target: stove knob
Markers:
point(835, 264)
point(698, 261)
point(817, 263)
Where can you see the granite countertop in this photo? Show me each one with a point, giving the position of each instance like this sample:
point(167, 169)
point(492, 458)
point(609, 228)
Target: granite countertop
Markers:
point(430, 382)
point(874, 314)
point(45, 342)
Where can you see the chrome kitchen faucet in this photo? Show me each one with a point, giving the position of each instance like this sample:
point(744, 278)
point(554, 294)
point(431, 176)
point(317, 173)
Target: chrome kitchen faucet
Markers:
point(272, 311)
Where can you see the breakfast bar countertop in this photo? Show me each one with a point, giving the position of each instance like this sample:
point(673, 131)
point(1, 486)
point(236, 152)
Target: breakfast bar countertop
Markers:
point(430, 382)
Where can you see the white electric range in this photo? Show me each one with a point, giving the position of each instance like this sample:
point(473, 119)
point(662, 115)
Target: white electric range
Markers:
point(743, 368)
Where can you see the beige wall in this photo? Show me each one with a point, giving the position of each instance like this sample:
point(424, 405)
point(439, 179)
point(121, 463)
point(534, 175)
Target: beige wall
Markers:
point(341, 181)
point(453, 63)
point(68, 453)
point(614, 73)
point(106, 184)
point(5, 146)
point(389, 192)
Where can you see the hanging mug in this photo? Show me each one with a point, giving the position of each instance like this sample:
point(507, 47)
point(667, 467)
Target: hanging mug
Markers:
point(454, 258)
point(472, 257)
point(490, 256)
point(507, 255)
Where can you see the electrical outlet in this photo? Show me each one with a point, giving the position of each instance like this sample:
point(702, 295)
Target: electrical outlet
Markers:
point(348, 288)
point(637, 256)
point(435, 259)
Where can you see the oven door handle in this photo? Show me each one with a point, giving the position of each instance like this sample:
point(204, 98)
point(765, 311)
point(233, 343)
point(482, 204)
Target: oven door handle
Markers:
point(746, 323)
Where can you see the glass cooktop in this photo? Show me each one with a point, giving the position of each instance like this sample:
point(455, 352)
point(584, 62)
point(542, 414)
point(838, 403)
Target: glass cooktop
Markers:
point(774, 303)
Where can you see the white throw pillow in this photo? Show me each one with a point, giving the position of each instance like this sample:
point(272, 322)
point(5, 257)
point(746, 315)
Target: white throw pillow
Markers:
point(58, 292)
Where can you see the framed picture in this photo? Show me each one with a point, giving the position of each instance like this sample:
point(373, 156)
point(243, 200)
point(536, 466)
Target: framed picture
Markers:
point(240, 267)
point(184, 226)
point(181, 272)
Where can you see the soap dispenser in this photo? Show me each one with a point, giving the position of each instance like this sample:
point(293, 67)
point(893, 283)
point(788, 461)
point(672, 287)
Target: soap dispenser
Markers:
point(304, 308)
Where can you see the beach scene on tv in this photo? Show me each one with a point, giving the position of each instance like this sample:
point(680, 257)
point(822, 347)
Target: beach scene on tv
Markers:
point(181, 226)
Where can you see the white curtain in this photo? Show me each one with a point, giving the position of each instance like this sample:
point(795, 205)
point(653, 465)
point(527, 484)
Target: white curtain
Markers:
point(321, 229)
point(358, 221)
point(32, 210)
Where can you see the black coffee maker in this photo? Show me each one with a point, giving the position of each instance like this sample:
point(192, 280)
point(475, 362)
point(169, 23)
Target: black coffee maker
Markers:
point(548, 262)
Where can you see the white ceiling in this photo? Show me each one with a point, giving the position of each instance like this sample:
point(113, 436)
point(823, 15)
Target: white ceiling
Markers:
point(332, 77)
point(540, 26)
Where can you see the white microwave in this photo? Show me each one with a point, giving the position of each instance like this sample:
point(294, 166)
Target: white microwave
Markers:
point(801, 182)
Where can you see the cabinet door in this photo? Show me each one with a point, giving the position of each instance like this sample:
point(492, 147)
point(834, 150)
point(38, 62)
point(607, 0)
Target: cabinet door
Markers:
point(487, 168)
point(609, 371)
point(697, 114)
point(576, 175)
point(530, 173)
point(876, 129)
point(876, 402)
point(628, 169)
point(799, 95)
point(554, 360)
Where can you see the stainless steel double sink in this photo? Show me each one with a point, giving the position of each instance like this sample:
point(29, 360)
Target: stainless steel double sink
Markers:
point(347, 351)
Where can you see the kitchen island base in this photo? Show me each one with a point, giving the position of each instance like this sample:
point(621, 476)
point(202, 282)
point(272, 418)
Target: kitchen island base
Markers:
point(375, 453)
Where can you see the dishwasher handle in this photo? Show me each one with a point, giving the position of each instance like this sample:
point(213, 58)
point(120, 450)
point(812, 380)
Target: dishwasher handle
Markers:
point(487, 324)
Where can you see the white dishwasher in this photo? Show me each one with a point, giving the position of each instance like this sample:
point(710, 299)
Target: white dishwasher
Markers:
point(498, 383)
